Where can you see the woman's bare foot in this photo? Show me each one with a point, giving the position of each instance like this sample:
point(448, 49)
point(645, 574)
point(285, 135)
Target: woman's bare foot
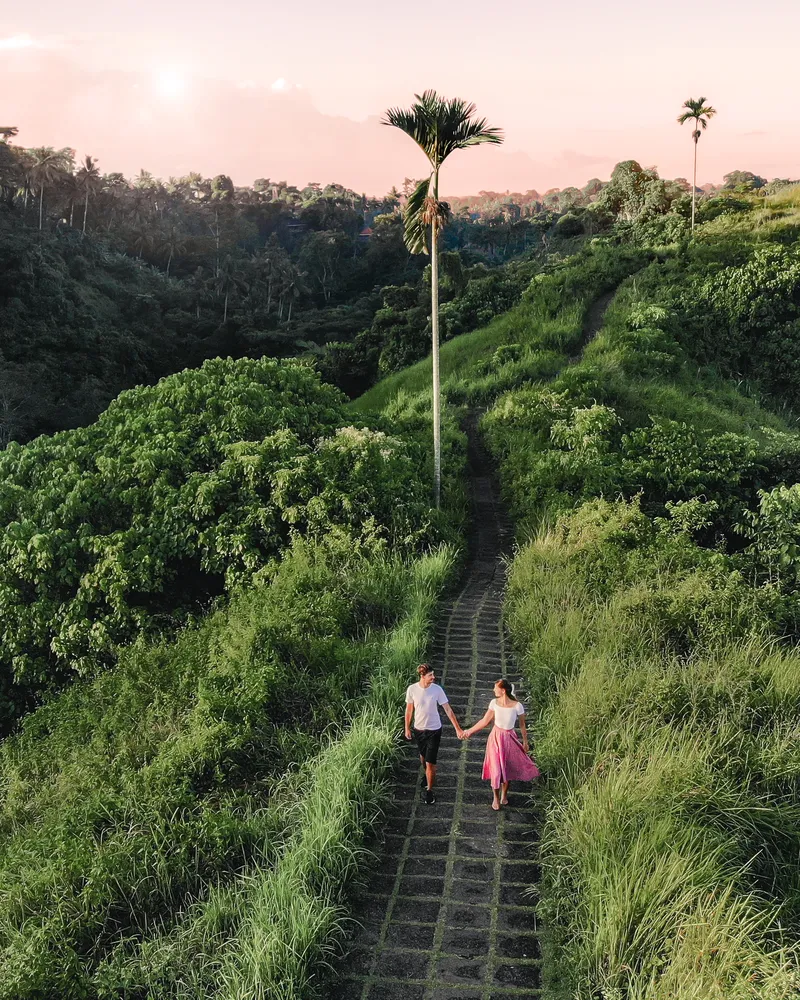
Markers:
point(495, 805)
point(503, 802)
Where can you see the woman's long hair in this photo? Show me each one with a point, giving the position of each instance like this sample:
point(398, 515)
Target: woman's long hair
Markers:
point(507, 686)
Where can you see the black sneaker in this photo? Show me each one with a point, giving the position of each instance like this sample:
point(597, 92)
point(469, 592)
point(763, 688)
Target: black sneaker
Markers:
point(430, 798)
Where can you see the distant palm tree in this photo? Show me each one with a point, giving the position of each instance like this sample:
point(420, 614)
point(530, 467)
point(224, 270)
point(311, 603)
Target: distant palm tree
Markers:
point(228, 282)
point(48, 165)
point(699, 112)
point(88, 178)
point(171, 242)
point(439, 127)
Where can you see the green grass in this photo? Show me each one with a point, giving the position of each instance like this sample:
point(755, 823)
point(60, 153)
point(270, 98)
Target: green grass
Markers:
point(124, 798)
point(456, 357)
point(671, 826)
point(270, 932)
point(549, 319)
point(668, 704)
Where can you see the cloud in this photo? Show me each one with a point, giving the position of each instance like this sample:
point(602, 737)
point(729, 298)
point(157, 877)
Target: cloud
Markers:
point(282, 86)
point(18, 42)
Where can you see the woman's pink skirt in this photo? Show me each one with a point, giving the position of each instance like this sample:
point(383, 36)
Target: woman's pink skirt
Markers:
point(505, 759)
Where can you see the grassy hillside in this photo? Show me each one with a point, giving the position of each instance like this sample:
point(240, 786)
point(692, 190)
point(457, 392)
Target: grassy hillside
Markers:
point(660, 641)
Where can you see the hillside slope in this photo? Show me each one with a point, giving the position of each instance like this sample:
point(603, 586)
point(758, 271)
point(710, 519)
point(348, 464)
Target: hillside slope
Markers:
point(654, 601)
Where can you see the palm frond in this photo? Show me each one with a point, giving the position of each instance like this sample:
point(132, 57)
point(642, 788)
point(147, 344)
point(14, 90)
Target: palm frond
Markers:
point(414, 218)
point(440, 126)
point(697, 110)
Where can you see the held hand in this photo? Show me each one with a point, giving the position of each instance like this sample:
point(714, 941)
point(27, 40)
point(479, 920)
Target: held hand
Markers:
point(467, 733)
point(460, 733)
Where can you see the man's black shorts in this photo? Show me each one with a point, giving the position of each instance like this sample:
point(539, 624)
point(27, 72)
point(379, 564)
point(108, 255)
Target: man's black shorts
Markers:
point(428, 741)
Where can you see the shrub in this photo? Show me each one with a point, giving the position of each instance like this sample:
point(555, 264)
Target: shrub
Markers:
point(183, 489)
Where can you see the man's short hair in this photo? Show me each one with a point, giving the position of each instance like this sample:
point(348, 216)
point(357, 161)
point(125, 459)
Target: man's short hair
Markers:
point(424, 668)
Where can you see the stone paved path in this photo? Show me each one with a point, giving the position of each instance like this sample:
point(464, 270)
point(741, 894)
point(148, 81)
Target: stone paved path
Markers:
point(450, 912)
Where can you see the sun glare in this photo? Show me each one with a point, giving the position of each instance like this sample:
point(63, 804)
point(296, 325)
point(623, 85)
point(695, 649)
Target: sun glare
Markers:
point(170, 84)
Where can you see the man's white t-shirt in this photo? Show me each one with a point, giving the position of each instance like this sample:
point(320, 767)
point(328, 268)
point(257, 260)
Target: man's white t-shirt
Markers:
point(506, 718)
point(426, 702)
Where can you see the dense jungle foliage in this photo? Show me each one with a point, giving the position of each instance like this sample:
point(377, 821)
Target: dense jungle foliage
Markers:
point(108, 282)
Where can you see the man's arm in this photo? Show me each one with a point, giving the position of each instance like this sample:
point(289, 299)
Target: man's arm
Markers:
point(451, 715)
point(409, 713)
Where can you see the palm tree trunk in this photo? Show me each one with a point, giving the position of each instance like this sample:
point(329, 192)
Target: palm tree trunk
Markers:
point(216, 238)
point(225, 312)
point(694, 179)
point(437, 419)
point(85, 210)
point(169, 261)
point(41, 204)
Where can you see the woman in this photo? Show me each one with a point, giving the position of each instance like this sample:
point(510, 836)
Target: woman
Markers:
point(506, 757)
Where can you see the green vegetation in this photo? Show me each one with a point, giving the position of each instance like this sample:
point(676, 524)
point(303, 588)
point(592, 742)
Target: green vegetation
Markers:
point(251, 579)
point(545, 326)
point(160, 804)
point(108, 282)
point(179, 493)
point(658, 630)
point(669, 729)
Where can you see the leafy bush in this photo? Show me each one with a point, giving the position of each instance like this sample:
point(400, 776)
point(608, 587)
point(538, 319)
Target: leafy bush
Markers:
point(183, 489)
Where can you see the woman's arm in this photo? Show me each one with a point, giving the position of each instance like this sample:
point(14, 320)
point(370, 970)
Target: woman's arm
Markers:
point(451, 715)
point(524, 730)
point(485, 721)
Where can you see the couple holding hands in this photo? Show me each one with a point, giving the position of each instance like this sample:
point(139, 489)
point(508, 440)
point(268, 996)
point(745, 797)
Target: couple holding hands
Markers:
point(506, 756)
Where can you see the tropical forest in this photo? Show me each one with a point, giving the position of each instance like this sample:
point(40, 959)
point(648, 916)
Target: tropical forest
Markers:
point(272, 457)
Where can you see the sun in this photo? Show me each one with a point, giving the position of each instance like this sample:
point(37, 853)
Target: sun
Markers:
point(171, 84)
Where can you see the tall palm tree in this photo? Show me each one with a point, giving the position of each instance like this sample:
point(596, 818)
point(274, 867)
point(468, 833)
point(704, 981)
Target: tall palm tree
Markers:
point(439, 127)
point(699, 112)
point(88, 178)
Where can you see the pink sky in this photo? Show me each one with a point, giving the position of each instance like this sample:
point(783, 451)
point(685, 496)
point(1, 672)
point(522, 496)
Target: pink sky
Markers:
point(295, 92)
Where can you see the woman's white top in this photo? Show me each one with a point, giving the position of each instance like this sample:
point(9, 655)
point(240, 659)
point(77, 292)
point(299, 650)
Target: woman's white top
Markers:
point(506, 718)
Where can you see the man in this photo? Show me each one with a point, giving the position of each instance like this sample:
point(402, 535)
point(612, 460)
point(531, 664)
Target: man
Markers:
point(422, 701)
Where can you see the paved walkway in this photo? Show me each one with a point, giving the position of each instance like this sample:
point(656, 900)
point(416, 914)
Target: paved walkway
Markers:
point(450, 911)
